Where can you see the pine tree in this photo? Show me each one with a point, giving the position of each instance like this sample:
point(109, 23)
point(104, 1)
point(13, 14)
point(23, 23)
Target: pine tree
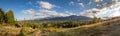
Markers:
point(10, 17)
point(2, 20)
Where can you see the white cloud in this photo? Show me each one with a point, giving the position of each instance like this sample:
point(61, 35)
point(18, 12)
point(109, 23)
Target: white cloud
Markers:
point(109, 10)
point(53, 13)
point(43, 13)
point(81, 4)
point(71, 3)
point(70, 13)
point(90, 12)
point(45, 5)
point(30, 11)
point(98, 0)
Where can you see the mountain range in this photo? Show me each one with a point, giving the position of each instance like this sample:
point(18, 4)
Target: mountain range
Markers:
point(68, 18)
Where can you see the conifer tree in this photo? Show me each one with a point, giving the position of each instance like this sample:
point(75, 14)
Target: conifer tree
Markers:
point(2, 20)
point(10, 17)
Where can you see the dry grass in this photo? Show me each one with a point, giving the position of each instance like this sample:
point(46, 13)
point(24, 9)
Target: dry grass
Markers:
point(14, 30)
point(85, 30)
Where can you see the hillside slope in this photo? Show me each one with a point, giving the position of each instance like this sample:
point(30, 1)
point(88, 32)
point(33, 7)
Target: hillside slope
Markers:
point(107, 22)
point(106, 28)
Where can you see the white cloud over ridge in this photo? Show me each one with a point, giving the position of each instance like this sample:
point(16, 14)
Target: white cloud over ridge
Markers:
point(108, 10)
point(52, 13)
point(43, 13)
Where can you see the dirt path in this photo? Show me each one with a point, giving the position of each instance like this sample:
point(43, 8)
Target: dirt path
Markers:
point(35, 33)
point(38, 33)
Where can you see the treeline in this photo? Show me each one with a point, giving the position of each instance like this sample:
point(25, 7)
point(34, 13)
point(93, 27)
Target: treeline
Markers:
point(7, 17)
point(70, 24)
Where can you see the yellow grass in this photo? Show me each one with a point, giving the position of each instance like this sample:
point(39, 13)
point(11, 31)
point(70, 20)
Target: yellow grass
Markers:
point(15, 30)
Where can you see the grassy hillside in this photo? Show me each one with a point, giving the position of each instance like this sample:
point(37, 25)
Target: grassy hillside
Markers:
point(14, 31)
point(104, 28)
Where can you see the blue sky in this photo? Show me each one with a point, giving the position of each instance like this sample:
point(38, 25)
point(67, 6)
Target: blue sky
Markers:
point(32, 9)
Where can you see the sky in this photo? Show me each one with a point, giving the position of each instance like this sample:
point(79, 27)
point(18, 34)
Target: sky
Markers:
point(33, 9)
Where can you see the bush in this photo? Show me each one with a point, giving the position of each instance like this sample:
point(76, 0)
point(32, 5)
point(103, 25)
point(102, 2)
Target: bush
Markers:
point(36, 26)
point(18, 25)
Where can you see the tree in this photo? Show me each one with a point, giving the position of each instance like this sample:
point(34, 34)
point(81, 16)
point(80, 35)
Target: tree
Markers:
point(95, 20)
point(10, 17)
point(2, 20)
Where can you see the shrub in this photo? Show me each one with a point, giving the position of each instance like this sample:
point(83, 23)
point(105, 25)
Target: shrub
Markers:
point(34, 25)
point(18, 25)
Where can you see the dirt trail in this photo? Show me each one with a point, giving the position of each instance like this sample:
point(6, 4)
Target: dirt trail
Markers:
point(35, 33)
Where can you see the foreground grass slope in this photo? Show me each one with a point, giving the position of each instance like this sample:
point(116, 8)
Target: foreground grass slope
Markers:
point(105, 28)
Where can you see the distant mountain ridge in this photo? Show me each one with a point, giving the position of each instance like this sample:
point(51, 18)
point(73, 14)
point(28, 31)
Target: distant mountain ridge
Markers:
point(68, 18)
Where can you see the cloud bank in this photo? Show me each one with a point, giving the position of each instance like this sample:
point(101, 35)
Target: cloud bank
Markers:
point(107, 10)
point(43, 13)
